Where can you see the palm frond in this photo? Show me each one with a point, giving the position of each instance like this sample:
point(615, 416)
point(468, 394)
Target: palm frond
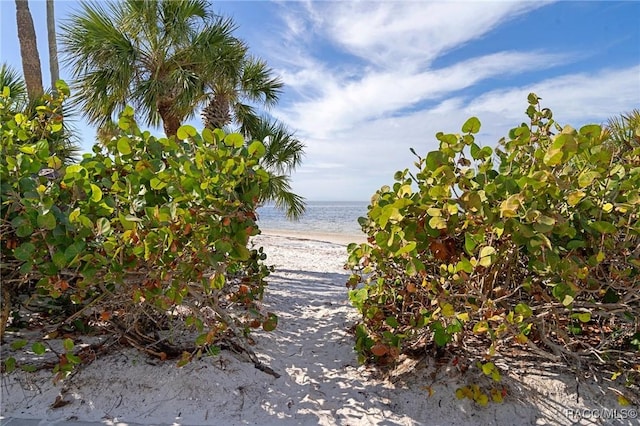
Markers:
point(12, 79)
point(284, 152)
point(279, 192)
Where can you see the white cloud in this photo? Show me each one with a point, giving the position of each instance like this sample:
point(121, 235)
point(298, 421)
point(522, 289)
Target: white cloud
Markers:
point(409, 33)
point(378, 94)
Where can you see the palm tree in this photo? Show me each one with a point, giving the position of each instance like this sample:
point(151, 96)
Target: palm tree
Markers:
point(29, 50)
point(53, 45)
point(158, 56)
point(168, 58)
point(252, 80)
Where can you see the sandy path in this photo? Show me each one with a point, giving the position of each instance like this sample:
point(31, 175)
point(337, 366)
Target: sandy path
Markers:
point(324, 383)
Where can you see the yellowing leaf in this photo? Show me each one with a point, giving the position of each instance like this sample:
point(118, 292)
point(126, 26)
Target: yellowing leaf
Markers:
point(123, 146)
point(448, 310)
point(568, 299)
point(607, 207)
point(482, 399)
point(509, 207)
point(185, 131)
point(488, 368)
point(481, 327)
point(586, 178)
point(584, 317)
point(575, 197)
point(463, 316)
point(487, 251)
point(623, 401)
point(496, 396)
point(437, 222)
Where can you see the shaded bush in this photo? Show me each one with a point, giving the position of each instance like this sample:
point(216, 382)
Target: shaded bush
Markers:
point(534, 245)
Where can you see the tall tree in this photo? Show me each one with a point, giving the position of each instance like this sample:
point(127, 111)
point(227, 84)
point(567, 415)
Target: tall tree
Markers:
point(167, 59)
point(53, 45)
point(29, 50)
point(158, 56)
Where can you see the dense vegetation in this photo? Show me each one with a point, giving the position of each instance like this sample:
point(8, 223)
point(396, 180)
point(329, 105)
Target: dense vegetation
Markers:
point(533, 245)
point(143, 236)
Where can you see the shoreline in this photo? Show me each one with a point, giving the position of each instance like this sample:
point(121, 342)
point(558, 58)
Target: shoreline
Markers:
point(325, 237)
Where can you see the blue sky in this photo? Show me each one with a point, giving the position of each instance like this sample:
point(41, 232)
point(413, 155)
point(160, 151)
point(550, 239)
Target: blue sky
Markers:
point(366, 81)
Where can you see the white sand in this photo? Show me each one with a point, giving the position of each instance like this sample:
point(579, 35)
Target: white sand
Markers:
point(321, 381)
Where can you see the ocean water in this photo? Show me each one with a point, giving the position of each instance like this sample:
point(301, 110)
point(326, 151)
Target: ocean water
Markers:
point(326, 217)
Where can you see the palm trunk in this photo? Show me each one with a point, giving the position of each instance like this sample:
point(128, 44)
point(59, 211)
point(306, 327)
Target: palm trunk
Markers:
point(170, 122)
point(29, 50)
point(53, 45)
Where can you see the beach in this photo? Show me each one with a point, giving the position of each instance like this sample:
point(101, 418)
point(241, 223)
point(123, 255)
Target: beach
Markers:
point(320, 379)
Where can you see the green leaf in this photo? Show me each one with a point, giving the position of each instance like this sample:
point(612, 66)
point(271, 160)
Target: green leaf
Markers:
point(207, 136)
point(392, 322)
point(19, 344)
point(586, 178)
point(24, 251)
point(38, 348)
point(46, 221)
point(62, 87)
point(68, 344)
point(271, 323)
point(553, 156)
point(472, 125)
point(10, 363)
point(234, 139)
point(524, 310)
point(96, 193)
point(604, 227)
point(406, 248)
point(584, 317)
point(448, 310)
point(185, 131)
point(123, 145)
point(157, 183)
point(257, 149)
point(436, 159)
point(73, 250)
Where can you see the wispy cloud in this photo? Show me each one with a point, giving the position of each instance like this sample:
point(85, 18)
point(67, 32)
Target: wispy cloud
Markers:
point(340, 106)
point(409, 33)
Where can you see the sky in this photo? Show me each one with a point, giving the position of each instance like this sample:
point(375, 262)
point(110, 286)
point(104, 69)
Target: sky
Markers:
point(365, 81)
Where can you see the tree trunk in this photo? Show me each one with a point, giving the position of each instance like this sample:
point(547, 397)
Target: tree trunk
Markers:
point(170, 122)
point(29, 50)
point(53, 45)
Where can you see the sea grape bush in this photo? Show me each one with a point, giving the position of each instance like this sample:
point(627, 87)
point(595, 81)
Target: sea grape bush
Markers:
point(142, 234)
point(535, 244)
